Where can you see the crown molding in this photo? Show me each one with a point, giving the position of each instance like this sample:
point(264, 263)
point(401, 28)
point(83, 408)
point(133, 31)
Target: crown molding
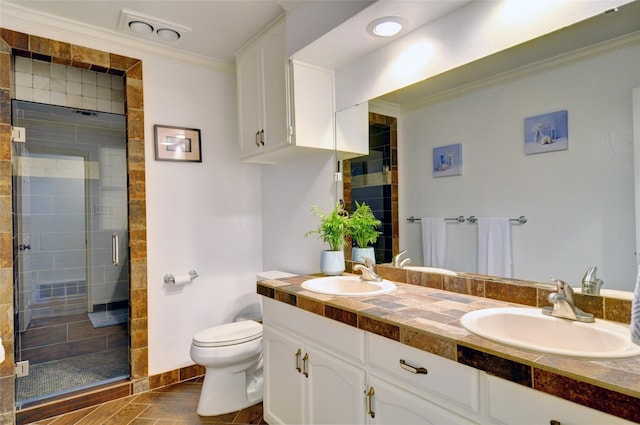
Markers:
point(541, 66)
point(22, 19)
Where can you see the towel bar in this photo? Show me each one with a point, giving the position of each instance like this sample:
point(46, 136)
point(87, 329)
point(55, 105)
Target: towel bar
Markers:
point(522, 219)
point(459, 219)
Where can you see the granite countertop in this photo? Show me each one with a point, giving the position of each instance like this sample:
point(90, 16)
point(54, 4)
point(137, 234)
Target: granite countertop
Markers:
point(429, 319)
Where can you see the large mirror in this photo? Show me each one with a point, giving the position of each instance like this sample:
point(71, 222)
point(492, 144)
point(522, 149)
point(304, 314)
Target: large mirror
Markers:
point(579, 202)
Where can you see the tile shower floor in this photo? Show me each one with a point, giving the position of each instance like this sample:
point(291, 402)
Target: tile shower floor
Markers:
point(69, 353)
point(175, 405)
point(59, 376)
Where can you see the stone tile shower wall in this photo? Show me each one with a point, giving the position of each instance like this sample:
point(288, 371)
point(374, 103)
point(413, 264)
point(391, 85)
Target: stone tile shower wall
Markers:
point(61, 85)
point(371, 184)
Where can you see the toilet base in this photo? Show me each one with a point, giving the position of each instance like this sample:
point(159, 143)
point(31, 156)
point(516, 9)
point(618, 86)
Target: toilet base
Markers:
point(226, 393)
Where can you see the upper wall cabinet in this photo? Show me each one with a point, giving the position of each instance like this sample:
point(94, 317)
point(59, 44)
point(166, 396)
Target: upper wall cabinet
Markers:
point(352, 131)
point(281, 103)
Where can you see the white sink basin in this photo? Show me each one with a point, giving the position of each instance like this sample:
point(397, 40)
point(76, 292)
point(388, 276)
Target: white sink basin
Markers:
point(529, 329)
point(347, 285)
point(431, 270)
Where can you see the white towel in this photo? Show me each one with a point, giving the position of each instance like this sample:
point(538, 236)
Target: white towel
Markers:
point(494, 247)
point(635, 312)
point(434, 241)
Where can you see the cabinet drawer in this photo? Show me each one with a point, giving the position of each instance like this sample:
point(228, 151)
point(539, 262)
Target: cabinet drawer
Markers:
point(511, 403)
point(451, 381)
point(392, 405)
point(332, 336)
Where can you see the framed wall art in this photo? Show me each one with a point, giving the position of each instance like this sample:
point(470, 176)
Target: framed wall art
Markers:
point(177, 143)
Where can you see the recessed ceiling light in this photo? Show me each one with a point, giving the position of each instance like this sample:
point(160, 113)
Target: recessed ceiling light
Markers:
point(134, 23)
point(140, 27)
point(168, 34)
point(387, 26)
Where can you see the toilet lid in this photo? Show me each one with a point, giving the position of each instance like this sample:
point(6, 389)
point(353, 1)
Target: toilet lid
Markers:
point(228, 334)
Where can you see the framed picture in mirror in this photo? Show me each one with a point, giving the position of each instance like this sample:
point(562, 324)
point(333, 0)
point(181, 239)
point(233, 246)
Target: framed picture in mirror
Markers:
point(447, 160)
point(546, 133)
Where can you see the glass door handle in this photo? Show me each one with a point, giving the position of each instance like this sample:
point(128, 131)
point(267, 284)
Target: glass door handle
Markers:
point(115, 250)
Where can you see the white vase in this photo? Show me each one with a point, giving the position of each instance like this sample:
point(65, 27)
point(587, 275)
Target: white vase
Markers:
point(359, 254)
point(332, 262)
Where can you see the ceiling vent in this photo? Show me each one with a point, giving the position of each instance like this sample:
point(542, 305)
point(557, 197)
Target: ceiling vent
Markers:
point(140, 25)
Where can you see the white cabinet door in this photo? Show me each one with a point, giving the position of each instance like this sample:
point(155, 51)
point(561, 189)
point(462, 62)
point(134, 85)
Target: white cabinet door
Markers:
point(334, 390)
point(510, 403)
point(282, 380)
point(248, 75)
point(313, 106)
point(352, 131)
point(261, 72)
point(306, 385)
point(275, 81)
point(393, 405)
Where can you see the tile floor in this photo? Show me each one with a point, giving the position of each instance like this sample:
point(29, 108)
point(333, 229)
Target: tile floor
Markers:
point(172, 405)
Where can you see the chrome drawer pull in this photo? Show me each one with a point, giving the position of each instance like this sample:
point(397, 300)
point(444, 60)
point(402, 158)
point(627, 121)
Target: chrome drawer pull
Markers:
point(413, 369)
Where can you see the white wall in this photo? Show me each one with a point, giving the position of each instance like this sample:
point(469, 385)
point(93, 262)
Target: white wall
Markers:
point(202, 216)
point(579, 202)
point(289, 189)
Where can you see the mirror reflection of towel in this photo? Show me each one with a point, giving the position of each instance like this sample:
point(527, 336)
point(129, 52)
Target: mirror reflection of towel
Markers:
point(635, 312)
point(494, 247)
point(434, 241)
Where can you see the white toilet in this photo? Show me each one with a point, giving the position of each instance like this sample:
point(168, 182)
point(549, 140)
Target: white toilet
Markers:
point(232, 356)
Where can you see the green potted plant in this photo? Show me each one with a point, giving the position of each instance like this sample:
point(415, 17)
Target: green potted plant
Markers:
point(334, 230)
point(362, 228)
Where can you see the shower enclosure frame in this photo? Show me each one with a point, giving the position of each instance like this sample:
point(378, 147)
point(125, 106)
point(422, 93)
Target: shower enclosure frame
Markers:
point(13, 43)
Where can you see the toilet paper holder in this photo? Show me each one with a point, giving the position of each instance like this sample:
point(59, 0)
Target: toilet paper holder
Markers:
point(170, 279)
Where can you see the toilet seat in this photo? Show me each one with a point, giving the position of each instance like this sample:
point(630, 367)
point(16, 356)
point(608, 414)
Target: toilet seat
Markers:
point(228, 334)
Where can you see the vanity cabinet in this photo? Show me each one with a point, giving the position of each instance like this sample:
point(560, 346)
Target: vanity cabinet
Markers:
point(320, 371)
point(315, 373)
point(510, 403)
point(303, 382)
point(261, 72)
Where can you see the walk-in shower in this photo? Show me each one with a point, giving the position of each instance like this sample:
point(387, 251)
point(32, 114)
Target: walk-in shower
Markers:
point(70, 250)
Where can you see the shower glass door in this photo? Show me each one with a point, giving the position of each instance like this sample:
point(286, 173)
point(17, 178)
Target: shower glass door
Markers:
point(70, 224)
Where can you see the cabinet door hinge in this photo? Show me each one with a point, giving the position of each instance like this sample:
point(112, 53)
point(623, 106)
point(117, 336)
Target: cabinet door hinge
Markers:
point(22, 369)
point(290, 135)
point(18, 134)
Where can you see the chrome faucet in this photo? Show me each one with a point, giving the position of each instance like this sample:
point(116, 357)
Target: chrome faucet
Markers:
point(590, 283)
point(564, 306)
point(368, 273)
point(396, 262)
